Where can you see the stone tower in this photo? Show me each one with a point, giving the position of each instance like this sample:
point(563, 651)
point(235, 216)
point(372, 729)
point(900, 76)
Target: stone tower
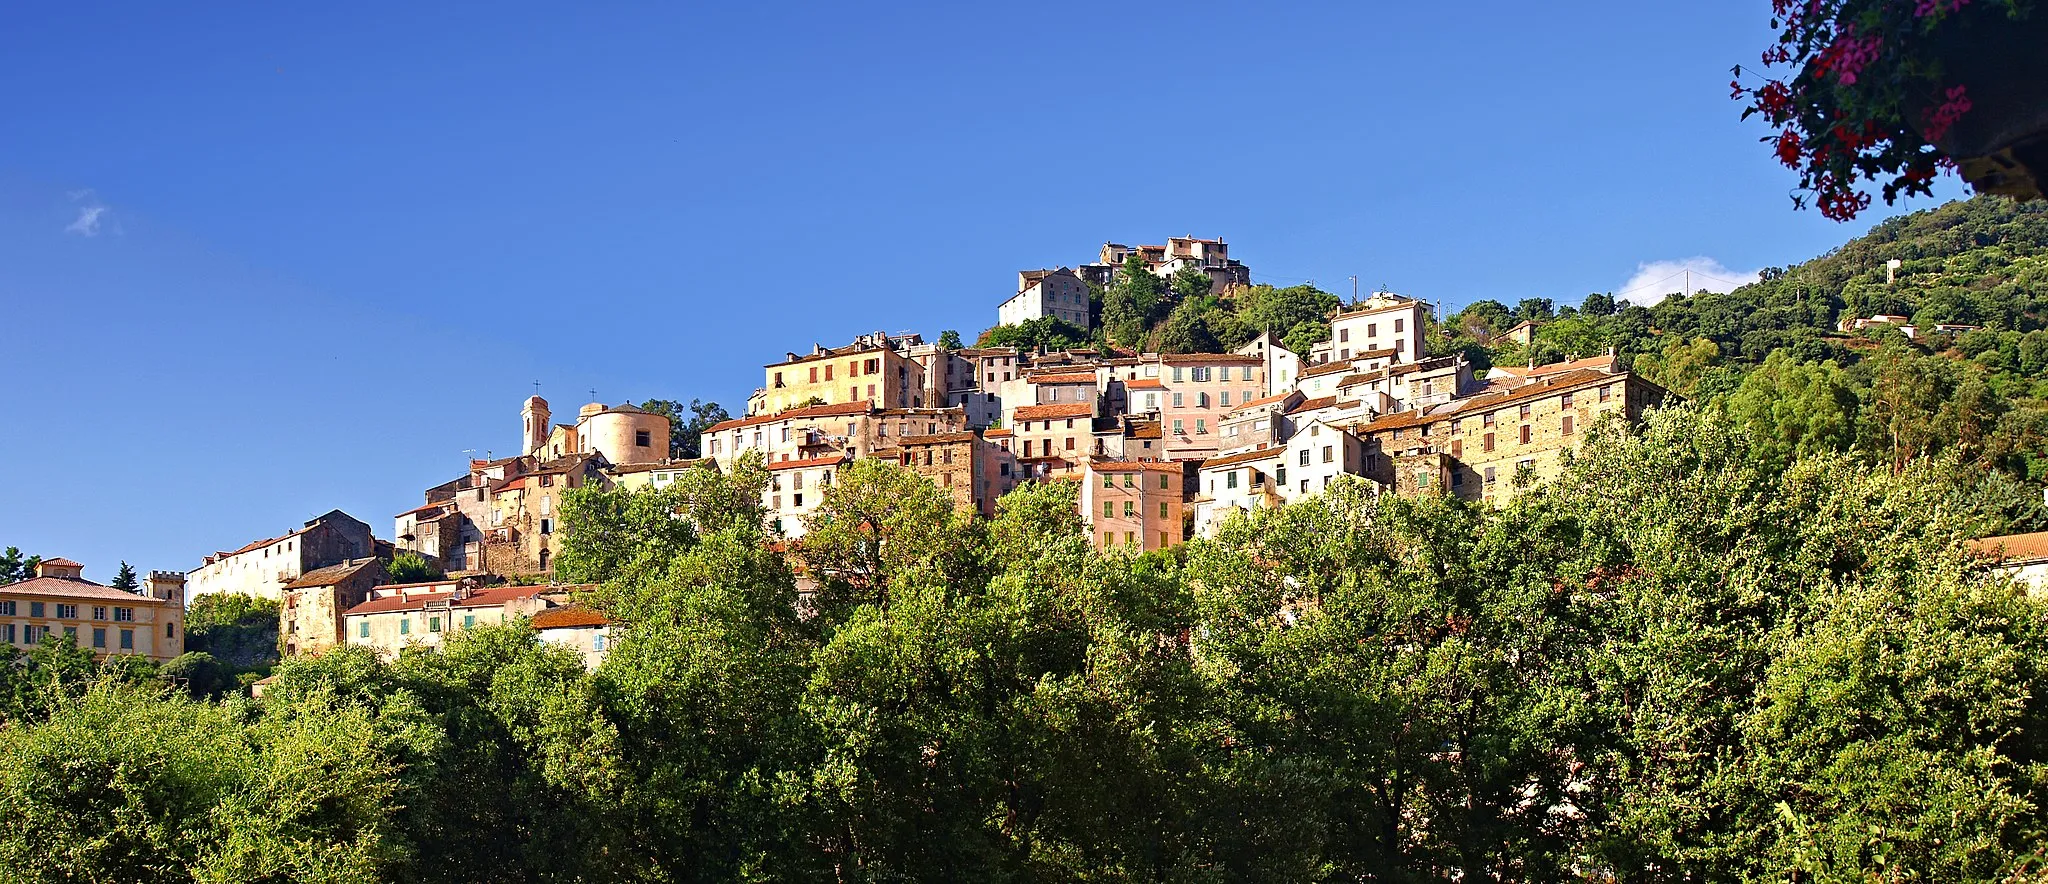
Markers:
point(535, 416)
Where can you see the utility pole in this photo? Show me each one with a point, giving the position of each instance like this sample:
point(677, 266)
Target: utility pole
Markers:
point(1354, 289)
point(1688, 283)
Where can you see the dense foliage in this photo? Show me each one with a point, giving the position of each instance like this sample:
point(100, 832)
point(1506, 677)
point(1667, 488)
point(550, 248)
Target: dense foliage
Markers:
point(411, 567)
point(1181, 314)
point(1677, 662)
point(236, 630)
point(686, 424)
point(1769, 354)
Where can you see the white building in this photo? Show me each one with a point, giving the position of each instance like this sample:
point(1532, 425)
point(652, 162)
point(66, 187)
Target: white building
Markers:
point(1385, 321)
point(1316, 455)
point(262, 568)
point(1283, 366)
point(1235, 483)
point(1056, 293)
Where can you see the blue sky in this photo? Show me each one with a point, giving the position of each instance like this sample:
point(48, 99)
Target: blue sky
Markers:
point(258, 261)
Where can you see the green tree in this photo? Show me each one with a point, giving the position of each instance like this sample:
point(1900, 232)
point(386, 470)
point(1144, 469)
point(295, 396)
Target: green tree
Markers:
point(411, 567)
point(124, 579)
point(197, 673)
point(686, 424)
point(950, 339)
point(238, 630)
point(14, 567)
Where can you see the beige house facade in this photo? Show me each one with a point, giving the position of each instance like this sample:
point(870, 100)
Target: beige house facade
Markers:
point(107, 621)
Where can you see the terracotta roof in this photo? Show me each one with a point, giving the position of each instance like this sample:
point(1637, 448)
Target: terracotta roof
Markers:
point(830, 353)
point(1145, 430)
point(666, 465)
point(938, 439)
point(568, 616)
point(1072, 377)
point(1313, 404)
point(63, 563)
point(1052, 412)
point(1401, 302)
point(420, 509)
point(1551, 384)
point(2012, 549)
point(1399, 420)
point(997, 432)
point(330, 575)
point(1605, 363)
point(843, 408)
point(419, 601)
point(1232, 358)
point(83, 589)
point(1231, 460)
point(826, 461)
point(1266, 400)
point(1135, 466)
point(1323, 368)
point(1145, 384)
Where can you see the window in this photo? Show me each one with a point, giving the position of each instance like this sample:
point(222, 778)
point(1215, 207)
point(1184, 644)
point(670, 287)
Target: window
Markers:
point(1304, 457)
point(1178, 428)
point(1178, 402)
point(7, 608)
point(547, 526)
point(1603, 394)
point(1567, 429)
point(1201, 426)
point(468, 620)
point(1223, 399)
point(1230, 479)
point(99, 612)
point(1525, 434)
point(1162, 511)
point(127, 639)
point(1070, 443)
point(7, 633)
point(1108, 509)
point(1108, 538)
point(1130, 538)
point(1162, 484)
point(1162, 539)
point(405, 626)
point(796, 499)
point(1108, 480)
point(1398, 344)
point(433, 624)
point(99, 637)
point(1486, 420)
point(170, 630)
point(1344, 335)
point(67, 612)
point(1129, 481)
point(1567, 400)
point(597, 642)
point(1397, 326)
point(828, 372)
point(1372, 329)
point(1486, 442)
point(814, 376)
point(1329, 453)
point(1525, 411)
point(363, 629)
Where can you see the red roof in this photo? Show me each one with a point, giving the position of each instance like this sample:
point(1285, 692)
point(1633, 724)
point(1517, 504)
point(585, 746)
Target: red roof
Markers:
point(1256, 454)
point(2012, 548)
point(1145, 384)
point(568, 617)
point(64, 563)
point(843, 408)
point(826, 461)
point(1323, 368)
point(1053, 412)
point(1313, 404)
point(418, 601)
point(1231, 358)
point(1077, 377)
point(76, 588)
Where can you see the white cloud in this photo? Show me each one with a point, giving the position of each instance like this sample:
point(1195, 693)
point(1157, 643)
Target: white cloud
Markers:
point(1654, 280)
point(90, 213)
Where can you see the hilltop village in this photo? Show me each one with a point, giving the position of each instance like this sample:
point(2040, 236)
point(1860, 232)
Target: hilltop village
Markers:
point(1163, 446)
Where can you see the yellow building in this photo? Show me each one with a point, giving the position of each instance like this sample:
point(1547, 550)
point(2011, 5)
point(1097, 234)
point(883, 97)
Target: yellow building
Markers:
point(58, 600)
point(870, 370)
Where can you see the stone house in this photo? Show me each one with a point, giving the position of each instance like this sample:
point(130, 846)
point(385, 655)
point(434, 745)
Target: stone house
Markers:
point(1052, 439)
point(795, 488)
point(1058, 293)
point(874, 369)
point(966, 465)
point(579, 629)
point(311, 612)
point(425, 614)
